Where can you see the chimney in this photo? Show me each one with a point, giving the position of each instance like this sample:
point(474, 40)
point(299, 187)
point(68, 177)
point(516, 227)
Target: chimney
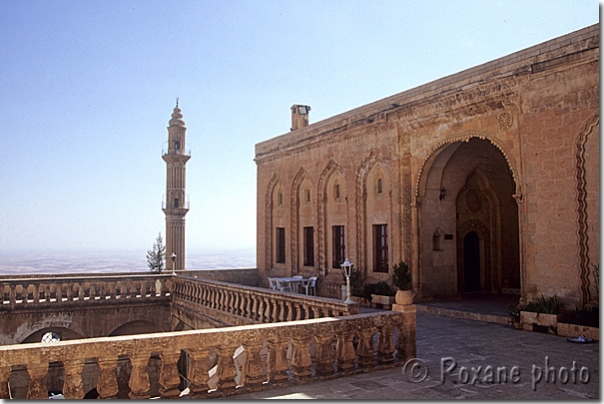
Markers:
point(299, 116)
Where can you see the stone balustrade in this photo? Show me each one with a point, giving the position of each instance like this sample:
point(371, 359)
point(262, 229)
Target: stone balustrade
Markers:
point(256, 305)
point(273, 354)
point(28, 292)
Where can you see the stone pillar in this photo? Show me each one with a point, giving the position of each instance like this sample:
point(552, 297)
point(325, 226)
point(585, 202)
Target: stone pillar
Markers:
point(168, 376)
point(139, 378)
point(415, 246)
point(5, 372)
point(73, 387)
point(226, 367)
point(301, 361)
point(277, 360)
point(385, 348)
point(345, 349)
point(253, 369)
point(198, 371)
point(37, 381)
point(406, 340)
point(106, 384)
point(325, 354)
point(365, 350)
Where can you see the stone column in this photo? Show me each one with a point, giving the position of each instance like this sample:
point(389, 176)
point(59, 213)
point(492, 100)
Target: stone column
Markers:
point(106, 384)
point(5, 372)
point(345, 349)
point(385, 348)
point(198, 371)
point(37, 381)
point(325, 354)
point(168, 376)
point(406, 340)
point(415, 245)
point(277, 360)
point(301, 361)
point(365, 350)
point(226, 367)
point(73, 387)
point(139, 378)
point(253, 369)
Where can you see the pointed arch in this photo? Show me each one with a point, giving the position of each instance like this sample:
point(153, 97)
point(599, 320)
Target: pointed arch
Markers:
point(299, 179)
point(330, 169)
point(446, 148)
point(268, 208)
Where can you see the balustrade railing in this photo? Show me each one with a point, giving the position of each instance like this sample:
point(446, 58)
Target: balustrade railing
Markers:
point(272, 354)
point(258, 305)
point(26, 292)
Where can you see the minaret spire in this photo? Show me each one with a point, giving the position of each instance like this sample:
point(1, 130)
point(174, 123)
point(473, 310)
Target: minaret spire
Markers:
point(175, 206)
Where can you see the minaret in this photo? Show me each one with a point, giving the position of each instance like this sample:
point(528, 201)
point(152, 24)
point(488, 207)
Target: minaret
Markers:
point(175, 207)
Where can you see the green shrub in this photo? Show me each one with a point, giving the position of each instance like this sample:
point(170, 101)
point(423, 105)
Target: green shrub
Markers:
point(401, 276)
point(549, 305)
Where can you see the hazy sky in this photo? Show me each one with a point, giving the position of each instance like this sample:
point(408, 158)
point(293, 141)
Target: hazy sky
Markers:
point(88, 88)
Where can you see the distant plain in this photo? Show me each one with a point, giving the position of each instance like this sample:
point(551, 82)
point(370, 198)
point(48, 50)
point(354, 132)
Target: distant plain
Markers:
point(45, 262)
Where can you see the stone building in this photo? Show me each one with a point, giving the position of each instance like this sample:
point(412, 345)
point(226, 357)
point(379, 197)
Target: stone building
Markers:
point(485, 181)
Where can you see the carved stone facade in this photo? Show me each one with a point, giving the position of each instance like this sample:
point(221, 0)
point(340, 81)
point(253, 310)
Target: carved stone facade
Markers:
point(483, 181)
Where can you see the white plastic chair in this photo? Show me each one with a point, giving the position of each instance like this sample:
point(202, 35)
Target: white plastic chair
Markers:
point(272, 283)
point(310, 285)
point(283, 286)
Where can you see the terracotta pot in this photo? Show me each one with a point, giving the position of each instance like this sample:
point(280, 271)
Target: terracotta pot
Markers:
point(404, 297)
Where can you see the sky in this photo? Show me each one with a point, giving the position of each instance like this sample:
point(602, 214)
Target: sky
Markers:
point(88, 88)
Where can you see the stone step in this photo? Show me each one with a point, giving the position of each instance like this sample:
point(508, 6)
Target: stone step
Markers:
point(490, 318)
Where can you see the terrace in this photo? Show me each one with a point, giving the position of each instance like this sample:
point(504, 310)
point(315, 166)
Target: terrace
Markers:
point(222, 338)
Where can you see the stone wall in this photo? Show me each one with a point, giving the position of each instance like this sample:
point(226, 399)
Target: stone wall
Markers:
point(506, 153)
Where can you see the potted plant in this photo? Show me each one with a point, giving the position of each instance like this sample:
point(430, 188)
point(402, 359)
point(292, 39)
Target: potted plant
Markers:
point(381, 294)
point(402, 280)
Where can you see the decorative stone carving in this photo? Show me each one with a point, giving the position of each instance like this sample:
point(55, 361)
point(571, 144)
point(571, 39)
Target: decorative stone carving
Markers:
point(168, 377)
point(139, 378)
point(73, 387)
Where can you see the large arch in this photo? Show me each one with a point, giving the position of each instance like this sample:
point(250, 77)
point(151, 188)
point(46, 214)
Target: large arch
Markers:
point(62, 332)
point(136, 327)
point(459, 172)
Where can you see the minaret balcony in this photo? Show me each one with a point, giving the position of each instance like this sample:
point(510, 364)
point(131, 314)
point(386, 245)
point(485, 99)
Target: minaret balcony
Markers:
point(169, 151)
point(175, 206)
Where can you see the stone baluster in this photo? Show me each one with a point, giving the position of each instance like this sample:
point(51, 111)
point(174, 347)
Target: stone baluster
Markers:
point(277, 360)
point(307, 310)
point(365, 350)
point(255, 308)
point(139, 378)
point(385, 347)
point(281, 310)
point(36, 293)
point(324, 356)
point(267, 311)
point(406, 338)
point(73, 386)
point(275, 311)
point(5, 372)
point(168, 375)
point(253, 368)
point(226, 371)
point(37, 381)
point(316, 310)
point(81, 294)
point(106, 384)
point(242, 304)
point(261, 306)
point(345, 355)
point(249, 313)
point(198, 371)
point(298, 308)
point(290, 311)
point(301, 360)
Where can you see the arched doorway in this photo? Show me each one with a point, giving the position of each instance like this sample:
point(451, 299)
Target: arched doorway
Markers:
point(465, 196)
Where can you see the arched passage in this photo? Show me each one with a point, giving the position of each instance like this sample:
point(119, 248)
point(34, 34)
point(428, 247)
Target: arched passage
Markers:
point(466, 196)
point(136, 327)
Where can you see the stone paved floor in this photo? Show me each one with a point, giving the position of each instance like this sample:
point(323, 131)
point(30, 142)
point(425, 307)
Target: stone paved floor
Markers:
point(472, 346)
